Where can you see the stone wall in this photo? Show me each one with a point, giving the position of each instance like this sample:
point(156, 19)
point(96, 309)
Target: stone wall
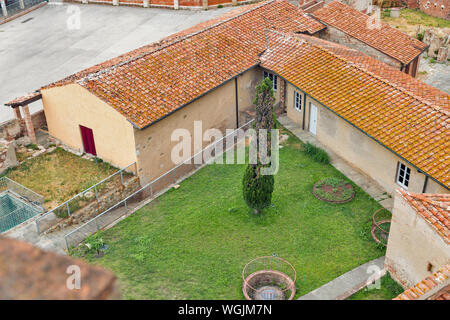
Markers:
point(12, 129)
point(106, 201)
point(176, 4)
point(414, 249)
point(334, 35)
point(436, 8)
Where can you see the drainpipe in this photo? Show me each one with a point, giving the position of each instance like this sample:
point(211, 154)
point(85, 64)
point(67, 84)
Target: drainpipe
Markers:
point(304, 110)
point(3, 5)
point(237, 101)
point(22, 6)
point(425, 184)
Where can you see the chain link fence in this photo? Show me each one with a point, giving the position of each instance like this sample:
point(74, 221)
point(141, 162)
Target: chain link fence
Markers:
point(66, 209)
point(17, 204)
point(153, 189)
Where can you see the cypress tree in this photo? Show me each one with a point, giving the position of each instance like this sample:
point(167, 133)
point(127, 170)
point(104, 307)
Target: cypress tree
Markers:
point(258, 188)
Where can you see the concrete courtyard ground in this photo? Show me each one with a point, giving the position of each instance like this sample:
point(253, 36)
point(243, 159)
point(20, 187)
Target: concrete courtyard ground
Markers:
point(44, 49)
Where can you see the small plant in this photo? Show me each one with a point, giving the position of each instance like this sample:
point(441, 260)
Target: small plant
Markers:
point(419, 36)
point(94, 243)
point(220, 6)
point(316, 153)
point(32, 146)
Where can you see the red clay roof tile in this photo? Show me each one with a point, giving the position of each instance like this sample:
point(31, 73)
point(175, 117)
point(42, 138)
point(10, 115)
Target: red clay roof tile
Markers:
point(434, 208)
point(389, 106)
point(386, 39)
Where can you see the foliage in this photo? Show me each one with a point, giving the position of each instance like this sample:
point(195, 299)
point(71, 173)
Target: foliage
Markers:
point(419, 36)
point(316, 153)
point(194, 243)
point(258, 187)
point(339, 191)
point(32, 146)
point(94, 242)
point(388, 290)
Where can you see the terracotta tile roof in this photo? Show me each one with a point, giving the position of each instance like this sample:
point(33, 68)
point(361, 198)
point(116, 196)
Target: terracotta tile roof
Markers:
point(24, 100)
point(421, 289)
point(434, 208)
point(413, 85)
point(386, 39)
point(148, 84)
point(386, 110)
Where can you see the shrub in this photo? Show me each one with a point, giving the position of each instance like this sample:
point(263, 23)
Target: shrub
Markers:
point(32, 146)
point(94, 243)
point(316, 153)
point(419, 36)
point(220, 6)
point(258, 188)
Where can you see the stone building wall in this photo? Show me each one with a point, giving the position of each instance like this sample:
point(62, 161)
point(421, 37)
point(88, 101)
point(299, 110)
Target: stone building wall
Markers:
point(436, 8)
point(414, 249)
point(334, 35)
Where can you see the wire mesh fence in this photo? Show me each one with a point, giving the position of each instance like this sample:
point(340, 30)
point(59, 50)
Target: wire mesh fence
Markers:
point(93, 193)
point(14, 212)
point(155, 187)
point(7, 184)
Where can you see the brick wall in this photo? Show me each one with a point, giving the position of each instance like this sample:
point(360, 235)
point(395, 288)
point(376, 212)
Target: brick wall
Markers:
point(436, 8)
point(167, 3)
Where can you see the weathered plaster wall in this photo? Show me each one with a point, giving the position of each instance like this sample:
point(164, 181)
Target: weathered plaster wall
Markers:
point(361, 151)
point(335, 35)
point(68, 107)
point(413, 244)
point(216, 109)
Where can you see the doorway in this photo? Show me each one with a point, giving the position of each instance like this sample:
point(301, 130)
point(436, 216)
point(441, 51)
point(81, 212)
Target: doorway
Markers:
point(313, 119)
point(87, 136)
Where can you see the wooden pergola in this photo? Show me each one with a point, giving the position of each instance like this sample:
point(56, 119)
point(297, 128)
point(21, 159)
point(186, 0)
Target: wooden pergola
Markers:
point(23, 103)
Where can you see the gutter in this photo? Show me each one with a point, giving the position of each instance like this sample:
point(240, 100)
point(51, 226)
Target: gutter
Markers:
point(420, 170)
point(195, 99)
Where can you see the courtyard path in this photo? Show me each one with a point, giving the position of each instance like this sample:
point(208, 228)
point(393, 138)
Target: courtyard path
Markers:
point(349, 283)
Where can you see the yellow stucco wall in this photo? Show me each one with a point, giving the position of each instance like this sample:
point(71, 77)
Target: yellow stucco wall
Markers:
point(361, 151)
point(413, 244)
point(68, 107)
point(216, 109)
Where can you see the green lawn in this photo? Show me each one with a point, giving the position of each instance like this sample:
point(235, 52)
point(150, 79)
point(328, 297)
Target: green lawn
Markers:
point(193, 242)
point(388, 290)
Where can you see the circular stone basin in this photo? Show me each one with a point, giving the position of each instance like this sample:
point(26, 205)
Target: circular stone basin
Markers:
point(333, 191)
point(268, 285)
point(269, 293)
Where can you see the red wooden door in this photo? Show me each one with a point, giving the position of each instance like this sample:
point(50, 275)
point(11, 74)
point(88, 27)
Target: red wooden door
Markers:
point(88, 140)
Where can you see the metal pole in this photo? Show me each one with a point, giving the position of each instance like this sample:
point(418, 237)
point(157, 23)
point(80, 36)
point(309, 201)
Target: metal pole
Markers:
point(22, 6)
point(68, 209)
point(121, 177)
point(96, 193)
point(151, 190)
point(3, 5)
point(37, 226)
point(126, 207)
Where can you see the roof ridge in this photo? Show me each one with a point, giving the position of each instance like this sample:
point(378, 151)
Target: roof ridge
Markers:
point(420, 99)
point(174, 41)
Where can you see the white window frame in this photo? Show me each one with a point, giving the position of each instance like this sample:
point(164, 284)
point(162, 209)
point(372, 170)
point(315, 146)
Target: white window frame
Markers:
point(297, 101)
point(272, 78)
point(403, 175)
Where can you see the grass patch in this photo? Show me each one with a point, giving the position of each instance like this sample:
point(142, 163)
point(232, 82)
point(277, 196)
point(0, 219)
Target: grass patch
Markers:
point(388, 290)
point(193, 242)
point(316, 153)
point(410, 19)
point(59, 175)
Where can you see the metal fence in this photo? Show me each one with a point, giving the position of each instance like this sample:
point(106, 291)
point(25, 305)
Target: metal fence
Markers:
point(12, 7)
point(78, 201)
point(19, 214)
point(7, 184)
point(149, 191)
